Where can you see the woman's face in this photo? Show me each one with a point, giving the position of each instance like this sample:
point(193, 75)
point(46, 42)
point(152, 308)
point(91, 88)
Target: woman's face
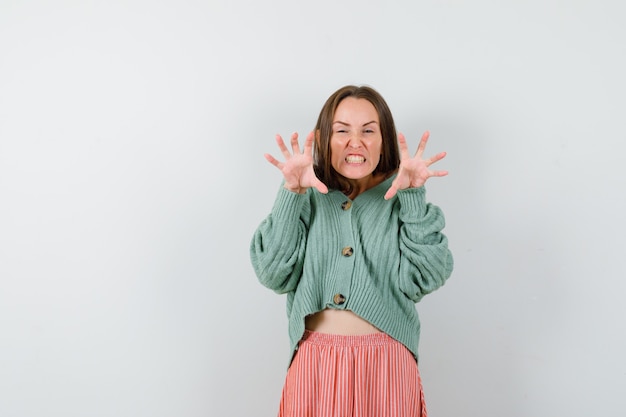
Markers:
point(356, 141)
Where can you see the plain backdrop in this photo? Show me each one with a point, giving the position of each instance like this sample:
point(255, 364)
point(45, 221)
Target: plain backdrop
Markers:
point(132, 177)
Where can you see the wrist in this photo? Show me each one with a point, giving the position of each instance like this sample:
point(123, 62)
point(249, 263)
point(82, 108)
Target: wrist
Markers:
point(296, 189)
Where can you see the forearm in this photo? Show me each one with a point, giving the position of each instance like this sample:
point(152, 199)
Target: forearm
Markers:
point(278, 244)
point(426, 261)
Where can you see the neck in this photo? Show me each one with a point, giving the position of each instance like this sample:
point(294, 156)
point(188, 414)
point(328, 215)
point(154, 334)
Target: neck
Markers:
point(361, 185)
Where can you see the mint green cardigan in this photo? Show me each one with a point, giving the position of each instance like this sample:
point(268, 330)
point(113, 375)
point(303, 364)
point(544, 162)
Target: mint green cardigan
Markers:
point(372, 256)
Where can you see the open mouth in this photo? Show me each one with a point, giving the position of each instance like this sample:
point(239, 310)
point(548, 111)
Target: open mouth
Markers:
point(355, 159)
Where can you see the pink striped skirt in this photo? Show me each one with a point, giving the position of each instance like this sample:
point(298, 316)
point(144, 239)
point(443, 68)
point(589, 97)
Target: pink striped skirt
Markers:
point(352, 376)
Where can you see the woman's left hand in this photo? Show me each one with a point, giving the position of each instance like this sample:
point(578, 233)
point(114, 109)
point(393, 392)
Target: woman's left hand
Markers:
point(414, 172)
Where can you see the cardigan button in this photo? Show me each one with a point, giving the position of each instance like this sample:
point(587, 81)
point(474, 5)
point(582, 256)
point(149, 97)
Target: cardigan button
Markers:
point(347, 251)
point(339, 299)
point(346, 205)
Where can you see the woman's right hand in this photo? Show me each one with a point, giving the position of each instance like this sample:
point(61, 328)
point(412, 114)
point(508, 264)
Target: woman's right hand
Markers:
point(298, 167)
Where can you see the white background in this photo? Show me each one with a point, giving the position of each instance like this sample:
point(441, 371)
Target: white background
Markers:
point(132, 178)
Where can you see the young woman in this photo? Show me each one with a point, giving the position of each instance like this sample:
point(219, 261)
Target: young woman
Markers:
point(353, 243)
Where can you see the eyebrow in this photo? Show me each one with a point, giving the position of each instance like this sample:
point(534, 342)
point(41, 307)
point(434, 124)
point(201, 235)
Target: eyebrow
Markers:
point(347, 124)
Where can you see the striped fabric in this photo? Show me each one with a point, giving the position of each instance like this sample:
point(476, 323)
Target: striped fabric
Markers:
point(352, 376)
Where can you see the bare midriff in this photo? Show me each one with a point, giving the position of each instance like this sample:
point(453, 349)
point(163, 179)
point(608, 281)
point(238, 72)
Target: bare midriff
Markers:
point(343, 322)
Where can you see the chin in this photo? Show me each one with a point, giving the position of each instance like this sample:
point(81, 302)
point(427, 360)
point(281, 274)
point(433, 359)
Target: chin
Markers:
point(351, 175)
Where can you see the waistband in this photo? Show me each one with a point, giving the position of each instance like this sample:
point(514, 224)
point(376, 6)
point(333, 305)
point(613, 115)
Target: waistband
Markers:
point(327, 339)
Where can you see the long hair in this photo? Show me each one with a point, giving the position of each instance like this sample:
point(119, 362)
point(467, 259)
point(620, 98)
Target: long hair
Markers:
point(390, 158)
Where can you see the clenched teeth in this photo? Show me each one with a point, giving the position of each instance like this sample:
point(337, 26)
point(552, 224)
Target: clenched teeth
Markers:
point(354, 159)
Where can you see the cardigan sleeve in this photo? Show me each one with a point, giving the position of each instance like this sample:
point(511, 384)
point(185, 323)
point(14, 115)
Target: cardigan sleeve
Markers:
point(425, 262)
point(278, 245)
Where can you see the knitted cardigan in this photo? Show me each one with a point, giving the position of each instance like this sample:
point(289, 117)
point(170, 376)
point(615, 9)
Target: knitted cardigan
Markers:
point(372, 256)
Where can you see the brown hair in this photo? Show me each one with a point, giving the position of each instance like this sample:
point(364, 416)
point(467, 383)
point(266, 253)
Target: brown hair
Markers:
point(390, 158)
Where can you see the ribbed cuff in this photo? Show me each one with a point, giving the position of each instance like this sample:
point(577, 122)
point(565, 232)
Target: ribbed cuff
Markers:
point(288, 205)
point(412, 201)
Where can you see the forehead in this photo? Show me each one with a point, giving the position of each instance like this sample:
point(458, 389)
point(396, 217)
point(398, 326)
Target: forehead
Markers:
point(355, 109)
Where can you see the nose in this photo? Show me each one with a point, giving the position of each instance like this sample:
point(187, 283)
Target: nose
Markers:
point(354, 142)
